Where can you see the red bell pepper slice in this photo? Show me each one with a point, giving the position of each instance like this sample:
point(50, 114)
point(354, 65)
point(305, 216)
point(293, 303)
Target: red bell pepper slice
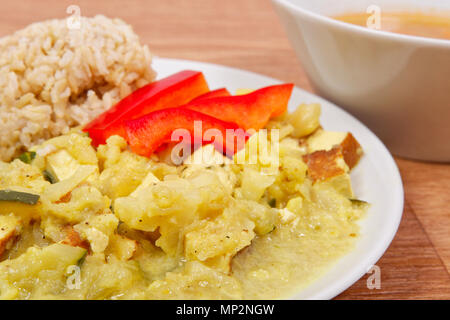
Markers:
point(173, 91)
point(222, 92)
point(150, 132)
point(250, 111)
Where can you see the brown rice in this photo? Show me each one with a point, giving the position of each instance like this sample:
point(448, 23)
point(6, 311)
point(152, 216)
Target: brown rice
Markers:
point(53, 78)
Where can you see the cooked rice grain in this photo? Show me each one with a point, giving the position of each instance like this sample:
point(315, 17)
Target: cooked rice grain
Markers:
point(53, 78)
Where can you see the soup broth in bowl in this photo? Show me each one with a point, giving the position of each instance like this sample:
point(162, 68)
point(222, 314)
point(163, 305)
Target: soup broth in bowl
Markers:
point(414, 24)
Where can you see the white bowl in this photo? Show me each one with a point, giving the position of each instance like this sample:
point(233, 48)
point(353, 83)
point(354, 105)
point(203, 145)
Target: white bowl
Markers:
point(398, 85)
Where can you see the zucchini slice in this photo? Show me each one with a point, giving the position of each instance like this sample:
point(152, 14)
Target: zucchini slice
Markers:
point(273, 203)
point(17, 196)
point(359, 204)
point(49, 177)
point(27, 157)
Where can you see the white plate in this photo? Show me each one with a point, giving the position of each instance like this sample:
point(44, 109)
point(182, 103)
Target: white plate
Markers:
point(376, 178)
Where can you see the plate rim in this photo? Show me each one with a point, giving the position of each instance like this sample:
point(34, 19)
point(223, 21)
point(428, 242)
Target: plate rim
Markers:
point(340, 285)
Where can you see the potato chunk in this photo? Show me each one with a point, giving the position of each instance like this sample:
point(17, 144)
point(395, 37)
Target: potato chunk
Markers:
point(305, 119)
point(124, 176)
point(122, 247)
point(224, 236)
point(254, 183)
point(97, 230)
point(173, 204)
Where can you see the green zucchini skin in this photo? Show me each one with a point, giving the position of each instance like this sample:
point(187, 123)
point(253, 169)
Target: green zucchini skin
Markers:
point(273, 203)
point(27, 157)
point(49, 177)
point(17, 196)
point(360, 204)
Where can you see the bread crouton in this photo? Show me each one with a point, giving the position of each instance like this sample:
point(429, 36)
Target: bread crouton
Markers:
point(329, 167)
point(327, 140)
point(10, 227)
point(323, 165)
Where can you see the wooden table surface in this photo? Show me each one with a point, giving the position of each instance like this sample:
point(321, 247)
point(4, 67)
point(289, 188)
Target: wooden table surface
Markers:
point(247, 34)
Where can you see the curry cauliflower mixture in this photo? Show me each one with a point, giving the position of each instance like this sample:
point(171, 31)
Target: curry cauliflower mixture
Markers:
point(85, 223)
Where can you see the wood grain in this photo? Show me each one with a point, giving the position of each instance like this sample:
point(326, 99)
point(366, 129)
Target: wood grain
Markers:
point(247, 34)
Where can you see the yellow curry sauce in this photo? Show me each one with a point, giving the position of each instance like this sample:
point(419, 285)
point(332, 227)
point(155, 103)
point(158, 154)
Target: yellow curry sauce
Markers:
point(110, 224)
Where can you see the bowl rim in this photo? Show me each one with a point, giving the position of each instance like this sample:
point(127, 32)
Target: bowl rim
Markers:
point(345, 26)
